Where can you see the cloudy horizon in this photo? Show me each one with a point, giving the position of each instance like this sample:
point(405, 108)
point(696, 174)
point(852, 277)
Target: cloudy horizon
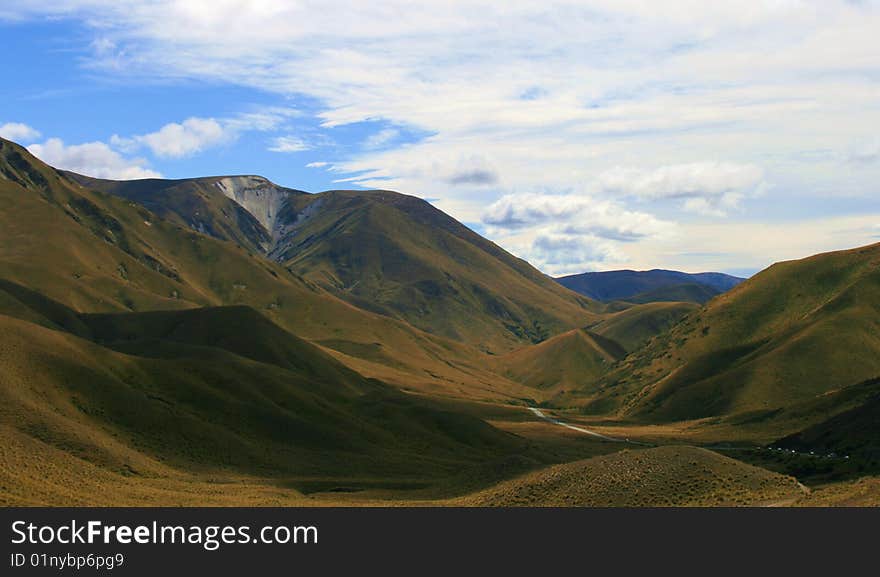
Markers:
point(589, 135)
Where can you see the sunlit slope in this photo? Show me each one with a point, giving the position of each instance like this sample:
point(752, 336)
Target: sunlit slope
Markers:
point(96, 252)
point(664, 476)
point(795, 331)
point(635, 325)
point(563, 362)
point(400, 256)
point(687, 293)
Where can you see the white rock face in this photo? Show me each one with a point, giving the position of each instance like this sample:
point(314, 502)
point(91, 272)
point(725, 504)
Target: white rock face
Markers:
point(256, 195)
point(265, 202)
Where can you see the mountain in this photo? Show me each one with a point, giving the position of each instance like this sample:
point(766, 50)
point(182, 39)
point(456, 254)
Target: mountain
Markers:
point(796, 331)
point(100, 253)
point(650, 286)
point(381, 251)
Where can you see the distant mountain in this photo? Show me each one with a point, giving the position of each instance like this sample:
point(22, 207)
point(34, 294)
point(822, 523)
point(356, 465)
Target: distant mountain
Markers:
point(382, 251)
point(650, 286)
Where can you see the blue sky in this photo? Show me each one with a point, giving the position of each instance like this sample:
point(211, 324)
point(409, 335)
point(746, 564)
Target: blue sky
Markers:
point(585, 135)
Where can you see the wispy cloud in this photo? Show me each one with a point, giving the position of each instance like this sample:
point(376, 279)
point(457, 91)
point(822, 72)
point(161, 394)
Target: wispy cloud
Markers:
point(289, 144)
point(382, 138)
point(706, 187)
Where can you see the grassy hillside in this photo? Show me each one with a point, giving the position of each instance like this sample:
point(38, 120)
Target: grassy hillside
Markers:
point(399, 256)
point(196, 203)
point(151, 394)
point(663, 476)
point(793, 332)
point(634, 326)
point(685, 293)
point(563, 362)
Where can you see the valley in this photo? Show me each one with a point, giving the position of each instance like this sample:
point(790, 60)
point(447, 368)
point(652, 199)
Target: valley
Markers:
point(228, 341)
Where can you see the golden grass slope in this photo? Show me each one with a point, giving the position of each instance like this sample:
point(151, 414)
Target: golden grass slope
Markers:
point(677, 476)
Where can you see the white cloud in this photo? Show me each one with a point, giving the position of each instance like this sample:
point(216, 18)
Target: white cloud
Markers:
point(546, 96)
point(317, 164)
point(19, 132)
point(92, 159)
point(569, 233)
point(289, 144)
point(566, 254)
point(195, 134)
point(185, 139)
point(574, 215)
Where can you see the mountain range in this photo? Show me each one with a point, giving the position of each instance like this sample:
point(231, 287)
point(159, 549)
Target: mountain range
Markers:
point(164, 341)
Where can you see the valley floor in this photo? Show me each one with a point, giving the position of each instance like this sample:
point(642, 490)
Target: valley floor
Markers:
point(633, 465)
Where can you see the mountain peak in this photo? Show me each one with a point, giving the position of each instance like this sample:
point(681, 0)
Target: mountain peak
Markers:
point(263, 199)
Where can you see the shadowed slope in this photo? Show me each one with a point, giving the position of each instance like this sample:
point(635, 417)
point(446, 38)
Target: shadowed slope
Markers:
point(189, 397)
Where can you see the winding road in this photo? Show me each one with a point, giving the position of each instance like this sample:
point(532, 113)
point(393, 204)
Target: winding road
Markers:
point(542, 415)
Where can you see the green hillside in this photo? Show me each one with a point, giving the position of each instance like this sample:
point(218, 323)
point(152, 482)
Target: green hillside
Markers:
point(685, 293)
point(793, 332)
point(635, 325)
point(563, 362)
